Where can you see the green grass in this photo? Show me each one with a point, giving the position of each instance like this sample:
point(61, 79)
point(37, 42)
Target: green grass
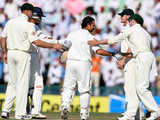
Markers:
point(75, 116)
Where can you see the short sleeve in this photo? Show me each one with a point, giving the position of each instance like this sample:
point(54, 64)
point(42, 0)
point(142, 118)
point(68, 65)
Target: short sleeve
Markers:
point(90, 37)
point(69, 37)
point(42, 36)
point(4, 32)
point(32, 33)
point(95, 48)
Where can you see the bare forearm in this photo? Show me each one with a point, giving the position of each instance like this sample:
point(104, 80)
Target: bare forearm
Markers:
point(104, 53)
point(126, 54)
point(51, 40)
point(124, 58)
point(103, 42)
point(3, 45)
point(43, 44)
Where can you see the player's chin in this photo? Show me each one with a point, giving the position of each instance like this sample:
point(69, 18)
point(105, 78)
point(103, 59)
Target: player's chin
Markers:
point(91, 31)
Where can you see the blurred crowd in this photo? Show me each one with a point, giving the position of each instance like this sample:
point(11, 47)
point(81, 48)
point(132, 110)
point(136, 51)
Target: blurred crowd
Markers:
point(59, 21)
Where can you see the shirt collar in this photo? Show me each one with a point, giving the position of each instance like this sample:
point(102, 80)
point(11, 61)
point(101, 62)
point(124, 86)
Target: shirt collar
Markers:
point(24, 16)
point(137, 25)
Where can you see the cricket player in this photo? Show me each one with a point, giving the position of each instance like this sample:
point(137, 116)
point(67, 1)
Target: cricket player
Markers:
point(36, 80)
point(129, 71)
point(140, 44)
point(17, 37)
point(78, 68)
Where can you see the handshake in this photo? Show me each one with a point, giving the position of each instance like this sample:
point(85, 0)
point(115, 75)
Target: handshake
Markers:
point(64, 50)
point(65, 46)
point(119, 55)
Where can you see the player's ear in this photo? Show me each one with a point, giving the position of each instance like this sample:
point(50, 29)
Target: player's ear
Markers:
point(128, 16)
point(88, 26)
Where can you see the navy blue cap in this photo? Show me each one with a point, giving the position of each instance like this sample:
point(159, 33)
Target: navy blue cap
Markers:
point(126, 12)
point(27, 6)
point(38, 12)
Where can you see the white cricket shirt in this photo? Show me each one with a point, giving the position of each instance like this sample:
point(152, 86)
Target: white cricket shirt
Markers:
point(138, 38)
point(80, 50)
point(19, 33)
point(124, 43)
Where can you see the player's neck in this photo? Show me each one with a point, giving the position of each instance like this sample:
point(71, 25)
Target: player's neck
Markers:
point(32, 21)
point(126, 23)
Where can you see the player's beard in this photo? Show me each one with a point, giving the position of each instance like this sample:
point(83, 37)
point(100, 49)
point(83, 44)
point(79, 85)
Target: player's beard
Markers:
point(92, 30)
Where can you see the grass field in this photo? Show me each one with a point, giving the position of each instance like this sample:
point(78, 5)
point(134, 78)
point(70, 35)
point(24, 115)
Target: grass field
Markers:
point(75, 116)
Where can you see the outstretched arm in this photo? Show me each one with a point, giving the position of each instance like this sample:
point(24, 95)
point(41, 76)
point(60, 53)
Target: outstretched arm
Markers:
point(65, 44)
point(97, 42)
point(110, 41)
point(44, 44)
point(104, 53)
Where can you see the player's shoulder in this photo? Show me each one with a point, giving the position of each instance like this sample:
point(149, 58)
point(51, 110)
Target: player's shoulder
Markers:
point(82, 32)
point(130, 29)
point(40, 33)
point(15, 19)
point(30, 25)
point(10, 21)
point(73, 33)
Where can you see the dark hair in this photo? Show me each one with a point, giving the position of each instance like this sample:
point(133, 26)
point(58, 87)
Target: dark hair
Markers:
point(27, 6)
point(126, 12)
point(138, 18)
point(87, 20)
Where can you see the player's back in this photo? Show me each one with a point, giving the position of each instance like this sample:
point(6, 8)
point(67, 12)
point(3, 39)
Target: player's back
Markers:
point(140, 39)
point(80, 50)
point(17, 34)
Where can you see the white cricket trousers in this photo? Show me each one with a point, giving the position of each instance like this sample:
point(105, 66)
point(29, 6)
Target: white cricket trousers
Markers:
point(95, 77)
point(77, 73)
point(130, 88)
point(36, 82)
point(18, 84)
point(144, 62)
